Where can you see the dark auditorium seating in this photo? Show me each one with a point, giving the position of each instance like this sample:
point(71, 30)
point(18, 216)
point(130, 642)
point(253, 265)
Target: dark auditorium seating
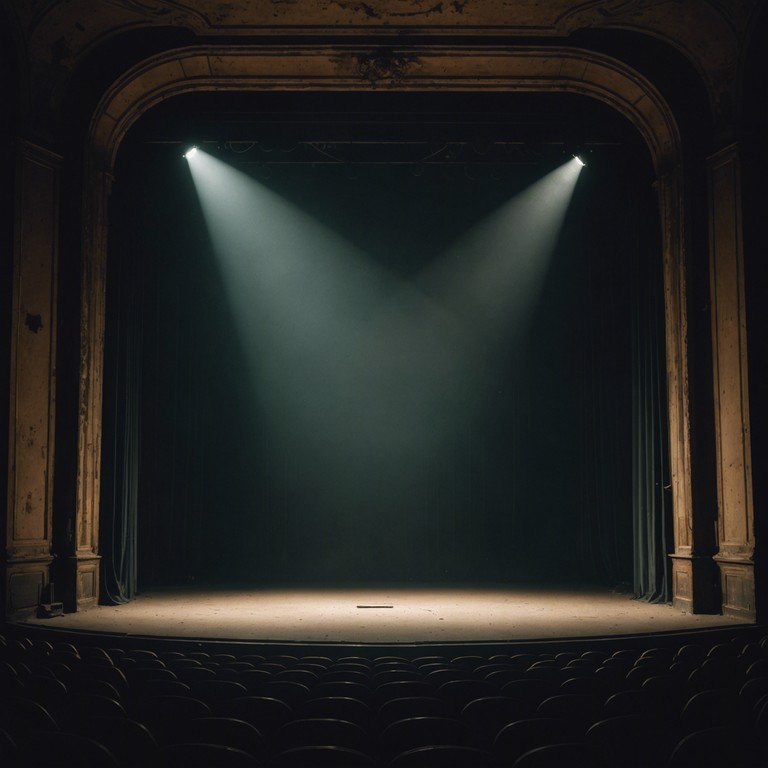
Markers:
point(157, 707)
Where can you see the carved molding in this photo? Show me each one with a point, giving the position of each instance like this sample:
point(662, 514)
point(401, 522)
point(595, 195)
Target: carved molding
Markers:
point(385, 65)
point(492, 68)
point(58, 35)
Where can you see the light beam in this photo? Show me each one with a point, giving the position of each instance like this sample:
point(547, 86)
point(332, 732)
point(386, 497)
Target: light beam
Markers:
point(365, 380)
point(493, 275)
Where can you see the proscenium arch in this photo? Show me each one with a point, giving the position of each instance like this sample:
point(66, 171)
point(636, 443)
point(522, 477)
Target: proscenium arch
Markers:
point(353, 68)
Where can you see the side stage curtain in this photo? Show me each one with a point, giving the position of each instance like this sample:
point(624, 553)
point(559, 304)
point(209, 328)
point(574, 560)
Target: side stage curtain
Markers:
point(651, 497)
point(624, 440)
point(121, 438)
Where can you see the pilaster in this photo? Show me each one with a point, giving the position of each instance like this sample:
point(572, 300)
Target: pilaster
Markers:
point(33, 379)
point(735, 519)
point(694, 577)
point(83, 563)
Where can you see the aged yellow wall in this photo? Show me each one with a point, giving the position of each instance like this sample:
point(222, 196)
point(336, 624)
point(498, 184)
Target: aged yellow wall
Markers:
point(33, 348)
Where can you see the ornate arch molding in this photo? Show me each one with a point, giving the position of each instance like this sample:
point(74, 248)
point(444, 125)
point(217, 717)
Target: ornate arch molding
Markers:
point(483, 68)
point(352, 68)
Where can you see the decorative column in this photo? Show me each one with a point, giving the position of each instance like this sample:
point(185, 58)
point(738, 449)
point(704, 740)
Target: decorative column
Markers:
point(694, 576)
point(32, 379)
point(735, 520)
point(84, 558)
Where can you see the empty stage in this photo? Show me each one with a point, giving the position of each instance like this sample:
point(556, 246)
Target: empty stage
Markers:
point(383, 616)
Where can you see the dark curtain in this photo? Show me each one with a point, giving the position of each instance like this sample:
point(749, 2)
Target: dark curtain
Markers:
point(651, 496)
point(568, 441)
point(607, 227)
point(623, 433)
point(605, 435)
point(122, 412)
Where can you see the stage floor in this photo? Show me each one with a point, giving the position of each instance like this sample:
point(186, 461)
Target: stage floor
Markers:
point(383, 616)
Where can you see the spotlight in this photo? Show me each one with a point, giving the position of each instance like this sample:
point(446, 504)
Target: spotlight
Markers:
point(578, 159)
point(191, 151)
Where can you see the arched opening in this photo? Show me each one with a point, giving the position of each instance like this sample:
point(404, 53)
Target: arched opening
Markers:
point(661, 141)
point(424, 439)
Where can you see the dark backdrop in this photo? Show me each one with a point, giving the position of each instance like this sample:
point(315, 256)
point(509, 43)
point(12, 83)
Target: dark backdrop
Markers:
point(538, 486)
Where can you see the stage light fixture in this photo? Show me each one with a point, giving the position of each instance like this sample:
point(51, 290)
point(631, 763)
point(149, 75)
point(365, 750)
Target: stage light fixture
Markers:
point(578, 159)
point(191, 151)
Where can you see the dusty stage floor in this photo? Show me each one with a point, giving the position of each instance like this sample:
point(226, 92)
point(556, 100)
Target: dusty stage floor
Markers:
point(360, 616)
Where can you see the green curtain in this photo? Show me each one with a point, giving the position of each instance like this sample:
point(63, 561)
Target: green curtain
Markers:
point(121, 437)
point(651, 498)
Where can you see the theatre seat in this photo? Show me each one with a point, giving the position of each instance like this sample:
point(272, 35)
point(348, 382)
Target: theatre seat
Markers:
point(215, 692)
point(191, 675)
point(129, 741)
point(201, 755)
point(521, 736)
point(572, 755)
point(401, 689)
point(355, 674)
point(340, 707)
point(576, 708)
point(709, 709)
point(139, 674)
point(729, 746)
point(62, 748)
point(412, 706)
point(112, 675)
point(441, 756)
point(225, 731)
point(321, 731)
point(82, 706)
point(49, 691)
point(305, 676)
point(412, 732)
point(264, 713)
point(445, 728)
point(346, 688)
point(24, 718)
point(323, 756)
point(142, 689)
point(461, 692)
point(8, 748)
point(289, 691)
point(162, 714)
point(631, 741)
point(628, 702)
point(489, 714)
point(530, 690)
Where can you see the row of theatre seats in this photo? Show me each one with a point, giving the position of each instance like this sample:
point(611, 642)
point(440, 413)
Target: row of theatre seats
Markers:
point(694, 703)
